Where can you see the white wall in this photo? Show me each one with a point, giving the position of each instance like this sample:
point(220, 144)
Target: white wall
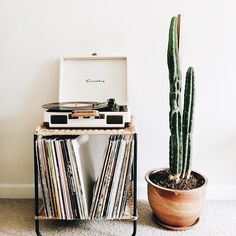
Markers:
point(34, 34)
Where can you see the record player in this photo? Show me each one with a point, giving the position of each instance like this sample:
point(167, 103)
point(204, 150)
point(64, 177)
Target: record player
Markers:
point(82, 79)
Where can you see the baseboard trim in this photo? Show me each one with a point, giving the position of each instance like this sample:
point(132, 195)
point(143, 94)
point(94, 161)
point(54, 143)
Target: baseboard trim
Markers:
point(17, 191)
point(217, 192)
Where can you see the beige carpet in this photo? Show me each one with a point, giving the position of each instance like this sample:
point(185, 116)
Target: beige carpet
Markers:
point(16, 218)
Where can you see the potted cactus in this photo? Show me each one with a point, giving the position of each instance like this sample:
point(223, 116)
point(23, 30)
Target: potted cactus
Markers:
point(177, 194)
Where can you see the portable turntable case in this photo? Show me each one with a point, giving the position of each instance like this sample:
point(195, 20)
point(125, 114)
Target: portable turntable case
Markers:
point(94, 79)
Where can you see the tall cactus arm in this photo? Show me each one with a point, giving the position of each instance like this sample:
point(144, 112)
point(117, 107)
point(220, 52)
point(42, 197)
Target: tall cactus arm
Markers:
point(188, 121)
point(189, 157)
point(175, 145)
point(171, 156)
point(172, 53)
point(175, 116)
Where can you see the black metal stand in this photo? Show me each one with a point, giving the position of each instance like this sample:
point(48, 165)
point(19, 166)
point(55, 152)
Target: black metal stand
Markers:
point(36, 194)
point(135, 215)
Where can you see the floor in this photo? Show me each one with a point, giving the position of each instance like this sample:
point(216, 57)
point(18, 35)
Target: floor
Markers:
point(16, 218)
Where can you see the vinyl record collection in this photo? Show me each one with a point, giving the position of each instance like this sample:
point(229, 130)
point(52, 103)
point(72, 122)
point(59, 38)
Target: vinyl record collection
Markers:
point(67, 189)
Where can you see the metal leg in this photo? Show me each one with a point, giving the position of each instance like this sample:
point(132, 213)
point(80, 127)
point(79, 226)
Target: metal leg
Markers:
point(37, 227)
point(135, 215)
point(36, 195)
point(134, 227)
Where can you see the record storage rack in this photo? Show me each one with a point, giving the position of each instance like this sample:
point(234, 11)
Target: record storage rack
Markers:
point(43, 132)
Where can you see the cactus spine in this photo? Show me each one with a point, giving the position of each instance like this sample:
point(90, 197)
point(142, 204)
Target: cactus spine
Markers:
point(180, 127)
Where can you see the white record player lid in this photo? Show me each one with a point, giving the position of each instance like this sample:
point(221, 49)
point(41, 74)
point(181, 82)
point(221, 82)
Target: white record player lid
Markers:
point(93, 78)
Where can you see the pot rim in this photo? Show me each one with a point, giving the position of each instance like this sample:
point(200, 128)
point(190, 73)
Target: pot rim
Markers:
point(174, 190)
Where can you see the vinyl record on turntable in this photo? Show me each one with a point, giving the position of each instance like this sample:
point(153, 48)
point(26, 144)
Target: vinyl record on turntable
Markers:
point(80, 105)
point(68, 106)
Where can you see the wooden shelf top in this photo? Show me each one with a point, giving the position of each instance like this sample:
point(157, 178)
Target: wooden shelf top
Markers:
point(43, 131)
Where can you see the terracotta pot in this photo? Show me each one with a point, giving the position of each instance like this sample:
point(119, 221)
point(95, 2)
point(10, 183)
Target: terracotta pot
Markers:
point(177, 208)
